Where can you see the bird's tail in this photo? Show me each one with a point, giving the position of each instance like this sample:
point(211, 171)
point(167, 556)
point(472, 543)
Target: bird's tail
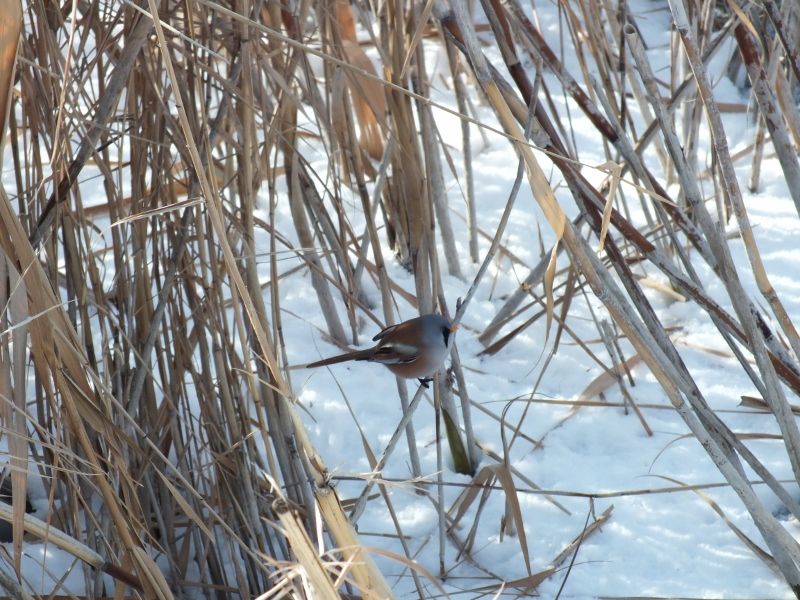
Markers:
point(357, 355)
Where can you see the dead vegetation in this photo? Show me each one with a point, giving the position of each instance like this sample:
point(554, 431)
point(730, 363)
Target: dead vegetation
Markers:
point(143, 371)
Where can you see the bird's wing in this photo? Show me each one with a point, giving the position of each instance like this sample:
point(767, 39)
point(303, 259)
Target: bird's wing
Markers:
point(392, 354)
point(382, 333)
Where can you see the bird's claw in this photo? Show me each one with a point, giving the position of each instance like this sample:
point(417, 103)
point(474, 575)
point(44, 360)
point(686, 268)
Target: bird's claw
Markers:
point(425, 382)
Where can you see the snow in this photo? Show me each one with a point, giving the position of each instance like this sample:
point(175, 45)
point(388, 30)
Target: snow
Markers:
point(660, 541)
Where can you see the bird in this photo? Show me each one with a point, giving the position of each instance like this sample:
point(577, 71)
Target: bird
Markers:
point(413, 349)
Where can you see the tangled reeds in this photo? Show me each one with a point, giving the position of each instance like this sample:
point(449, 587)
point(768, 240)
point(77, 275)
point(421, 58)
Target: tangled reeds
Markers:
point(148, 150)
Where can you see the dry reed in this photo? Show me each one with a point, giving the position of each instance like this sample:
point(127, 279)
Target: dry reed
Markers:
point(143, 368)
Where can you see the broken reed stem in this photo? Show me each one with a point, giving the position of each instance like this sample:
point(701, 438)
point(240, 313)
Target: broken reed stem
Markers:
point(462, 100)
point(433, 163)
point(442, 521)
point(466, 408)
point(617, 364)
point(408, 413)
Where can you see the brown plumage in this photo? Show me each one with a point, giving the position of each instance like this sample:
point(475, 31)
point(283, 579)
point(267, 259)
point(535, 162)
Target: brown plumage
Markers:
point(416, 348)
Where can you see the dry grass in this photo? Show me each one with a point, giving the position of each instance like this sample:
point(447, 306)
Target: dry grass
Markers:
point(142, 373)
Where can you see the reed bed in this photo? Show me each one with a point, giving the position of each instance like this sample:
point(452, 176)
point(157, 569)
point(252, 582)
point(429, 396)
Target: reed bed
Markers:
point(149, 149)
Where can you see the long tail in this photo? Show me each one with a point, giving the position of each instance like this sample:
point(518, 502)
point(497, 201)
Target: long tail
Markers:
point(358, 355)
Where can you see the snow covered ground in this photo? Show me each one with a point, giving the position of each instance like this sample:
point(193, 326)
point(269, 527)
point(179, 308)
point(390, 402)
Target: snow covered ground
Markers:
point(659, 541)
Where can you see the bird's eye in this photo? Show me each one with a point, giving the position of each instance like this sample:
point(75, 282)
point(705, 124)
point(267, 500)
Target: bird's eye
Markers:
point(446, 333)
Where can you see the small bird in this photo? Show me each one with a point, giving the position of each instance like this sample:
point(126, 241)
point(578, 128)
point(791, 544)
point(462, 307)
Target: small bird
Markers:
point(416, 348)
